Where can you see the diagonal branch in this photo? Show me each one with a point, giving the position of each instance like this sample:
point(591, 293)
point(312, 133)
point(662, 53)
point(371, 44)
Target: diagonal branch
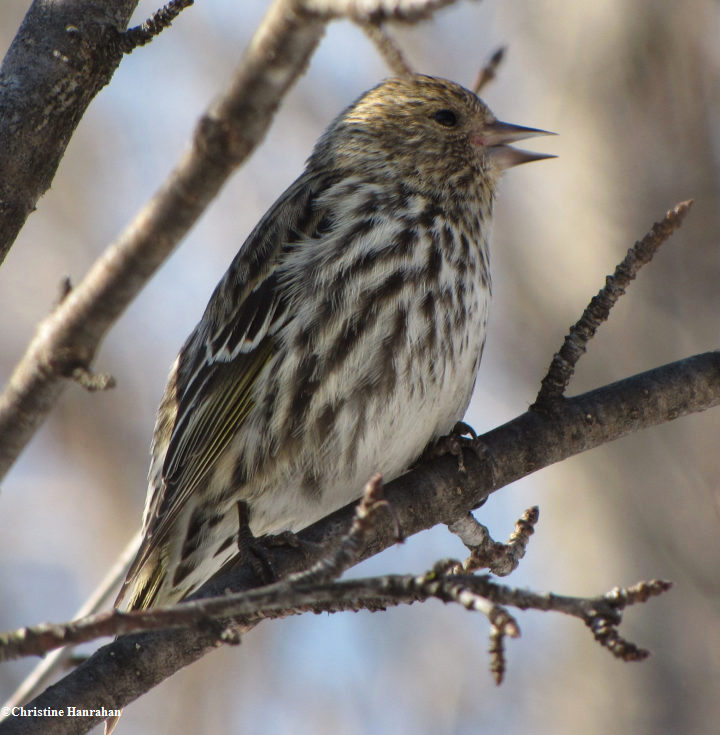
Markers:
point(224, 137)
point(387, 48)
point(435, 492)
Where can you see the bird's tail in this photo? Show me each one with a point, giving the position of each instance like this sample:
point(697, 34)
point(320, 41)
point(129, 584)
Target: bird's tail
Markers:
point(111, 723)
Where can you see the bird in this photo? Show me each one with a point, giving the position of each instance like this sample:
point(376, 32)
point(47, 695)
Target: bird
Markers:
point(343, 340)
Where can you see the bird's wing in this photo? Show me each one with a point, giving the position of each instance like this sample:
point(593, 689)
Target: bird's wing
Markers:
point(209, 393)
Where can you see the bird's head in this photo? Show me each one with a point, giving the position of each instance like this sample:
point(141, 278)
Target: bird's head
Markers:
point(424, 128)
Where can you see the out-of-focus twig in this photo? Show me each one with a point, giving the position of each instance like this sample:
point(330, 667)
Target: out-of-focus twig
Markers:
point(375, 11)
point(489, 71)
point(387, 48)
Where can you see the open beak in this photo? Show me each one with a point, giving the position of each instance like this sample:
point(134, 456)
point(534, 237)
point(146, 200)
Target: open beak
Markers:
point(497, 135)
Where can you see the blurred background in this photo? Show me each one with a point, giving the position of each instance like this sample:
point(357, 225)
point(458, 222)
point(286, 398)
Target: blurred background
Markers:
point(633, 89)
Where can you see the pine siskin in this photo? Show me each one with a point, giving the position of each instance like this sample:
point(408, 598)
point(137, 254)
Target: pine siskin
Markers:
point(343, 340)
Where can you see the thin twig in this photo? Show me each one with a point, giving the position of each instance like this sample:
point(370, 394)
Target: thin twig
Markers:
point(348, 551)
point(93, 381)
point(388, 48)
point(375, 11)
point(489, 71)
point(496, 650)
point(604, 625)
point(153, 26)
point(463, 590)
point(485, 553)
point(602, 614)
point(297, 593)
point(64, 289)
point(563, 364)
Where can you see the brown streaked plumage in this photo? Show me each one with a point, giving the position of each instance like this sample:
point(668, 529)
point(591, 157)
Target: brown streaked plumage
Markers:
point(343, 339)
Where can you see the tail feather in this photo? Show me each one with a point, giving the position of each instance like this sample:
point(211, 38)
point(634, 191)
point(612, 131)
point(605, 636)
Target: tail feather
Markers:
point(138, 592)
point(111, 723)
point(142, 584)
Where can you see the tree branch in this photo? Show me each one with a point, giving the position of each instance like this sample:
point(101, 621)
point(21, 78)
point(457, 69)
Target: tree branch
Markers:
point(485, 553)
point(436, 492)
point(61, 57)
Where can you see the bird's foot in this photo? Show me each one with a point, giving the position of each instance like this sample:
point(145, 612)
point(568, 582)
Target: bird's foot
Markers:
point(251, 549)
point(288, 538)
point(462, 436)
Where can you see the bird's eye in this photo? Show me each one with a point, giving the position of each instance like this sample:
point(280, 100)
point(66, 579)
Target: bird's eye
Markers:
point(446, 118)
